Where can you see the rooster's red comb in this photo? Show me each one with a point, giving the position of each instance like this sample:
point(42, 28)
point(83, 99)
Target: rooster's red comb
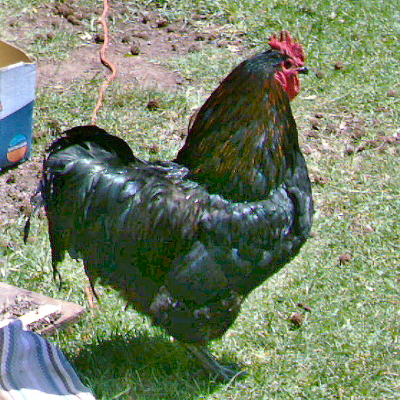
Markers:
point(286, 45)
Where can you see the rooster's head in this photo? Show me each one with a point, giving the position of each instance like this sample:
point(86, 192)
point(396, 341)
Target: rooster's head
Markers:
point(288, 76)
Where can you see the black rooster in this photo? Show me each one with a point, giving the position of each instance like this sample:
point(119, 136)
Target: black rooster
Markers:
point(186, 243)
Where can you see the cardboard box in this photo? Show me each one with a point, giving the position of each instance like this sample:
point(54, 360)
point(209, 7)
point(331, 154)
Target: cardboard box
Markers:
point(17, 96)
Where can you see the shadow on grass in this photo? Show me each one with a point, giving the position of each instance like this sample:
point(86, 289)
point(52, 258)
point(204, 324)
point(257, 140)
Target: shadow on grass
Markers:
point(141, 367)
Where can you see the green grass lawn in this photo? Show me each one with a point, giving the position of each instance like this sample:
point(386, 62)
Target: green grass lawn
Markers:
point(345, 282)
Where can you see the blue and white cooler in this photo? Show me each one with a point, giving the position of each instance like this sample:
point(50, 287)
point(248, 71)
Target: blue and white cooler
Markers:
point(17, 96)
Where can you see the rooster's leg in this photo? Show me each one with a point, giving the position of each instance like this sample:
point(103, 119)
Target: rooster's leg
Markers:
point(209, 363)
point(91, 293)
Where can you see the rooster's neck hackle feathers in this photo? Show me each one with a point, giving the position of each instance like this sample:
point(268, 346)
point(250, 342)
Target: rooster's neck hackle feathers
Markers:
point(241, 137)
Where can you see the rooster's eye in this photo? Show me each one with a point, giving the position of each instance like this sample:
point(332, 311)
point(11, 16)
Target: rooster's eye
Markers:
point(287, 64)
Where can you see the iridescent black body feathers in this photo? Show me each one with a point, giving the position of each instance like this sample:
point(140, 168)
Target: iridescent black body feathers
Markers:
point(185, 242)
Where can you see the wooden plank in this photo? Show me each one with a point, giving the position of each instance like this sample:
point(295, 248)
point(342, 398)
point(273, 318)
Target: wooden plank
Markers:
point(69, 312)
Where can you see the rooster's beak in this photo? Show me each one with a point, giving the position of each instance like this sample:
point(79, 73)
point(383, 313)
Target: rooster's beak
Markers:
point(302, 70)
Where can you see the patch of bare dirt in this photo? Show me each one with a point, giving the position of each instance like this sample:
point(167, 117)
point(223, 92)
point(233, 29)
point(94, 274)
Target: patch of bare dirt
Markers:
point(17, 185)
point(85, 62)
point(139, 41)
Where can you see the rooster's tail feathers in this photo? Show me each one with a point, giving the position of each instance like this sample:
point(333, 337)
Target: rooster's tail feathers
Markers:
point(91, 133)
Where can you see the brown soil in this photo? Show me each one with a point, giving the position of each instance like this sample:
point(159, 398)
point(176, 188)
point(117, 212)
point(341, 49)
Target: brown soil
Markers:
point(17, 185)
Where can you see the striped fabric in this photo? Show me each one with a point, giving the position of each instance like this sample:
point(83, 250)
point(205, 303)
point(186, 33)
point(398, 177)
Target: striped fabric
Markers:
point(31, 368)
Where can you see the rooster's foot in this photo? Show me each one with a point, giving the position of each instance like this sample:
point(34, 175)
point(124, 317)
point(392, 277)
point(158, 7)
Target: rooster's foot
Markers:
point(209, 363)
